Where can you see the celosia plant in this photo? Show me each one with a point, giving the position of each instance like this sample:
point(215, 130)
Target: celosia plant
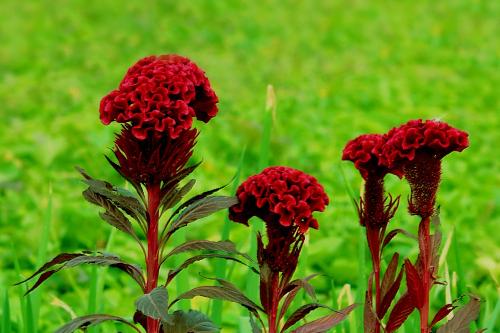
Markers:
point(418, 147)
point(285, 199)
point(375, 211)
point(156, 102)
point(413, 150)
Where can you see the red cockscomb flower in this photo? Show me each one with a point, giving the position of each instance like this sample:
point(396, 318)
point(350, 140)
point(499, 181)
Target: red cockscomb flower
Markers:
point(364, 151)
point(160, 95)
point(418, 148)
point(280, 196)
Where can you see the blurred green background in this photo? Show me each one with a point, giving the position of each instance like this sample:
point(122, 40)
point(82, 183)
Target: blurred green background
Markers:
point(339, 68)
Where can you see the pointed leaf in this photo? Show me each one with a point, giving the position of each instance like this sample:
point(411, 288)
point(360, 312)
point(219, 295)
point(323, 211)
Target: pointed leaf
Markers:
point(189, 322)
point(171, 199)
point(463, 318)
point(224, 293)
point(391, 234)
point(389, 275)
point(196, 198)
point(443, 312)
point(255, 327)
point(300, 313)
point(414, 284)
point(369, 317)
point(403, 308)
point(91, 320)
point(200, 209)
point(390, 295)
point(195, 245)
point(192, 260)
point(68, 260)
point(323, 324)
point(291, 291)
point(154, 304)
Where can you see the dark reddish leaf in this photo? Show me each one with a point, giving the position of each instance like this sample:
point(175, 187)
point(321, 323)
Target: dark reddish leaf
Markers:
point(223, 293)
point(300, 313)
point(390, 295)
point(59, 259)
point(414, 284)
point(389, 275)
point(443, 312)
point(369, 317)
point(92, 320)
point(185, 264)
point(403, 308)
point(196, 245)
point(201, 208)
point(68, 260)
point(463, 318)
point(295, 286)
point(171, 199)
point(391, 234)
point(196, 198)
point(323, 324)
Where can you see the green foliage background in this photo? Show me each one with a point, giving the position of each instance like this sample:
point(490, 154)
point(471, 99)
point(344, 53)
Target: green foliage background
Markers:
point(340, 69)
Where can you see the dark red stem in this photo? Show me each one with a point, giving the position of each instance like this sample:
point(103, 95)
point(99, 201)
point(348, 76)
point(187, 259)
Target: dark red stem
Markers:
point(426, 260)
point(373, 237)
point(274, 295)
point(152, 260)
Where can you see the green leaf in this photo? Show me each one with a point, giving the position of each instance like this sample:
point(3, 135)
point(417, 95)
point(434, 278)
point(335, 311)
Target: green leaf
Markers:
point(201, 208)
point(173, 197)
point(154, 304)
point(300, 313)
point(189, 322)
point(91, 320)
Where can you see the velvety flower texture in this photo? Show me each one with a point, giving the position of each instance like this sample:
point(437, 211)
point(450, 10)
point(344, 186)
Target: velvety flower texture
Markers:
point(281, 196)
point(364, 151)
point(160, 95)
point(433, 137)
point(418, 148)
point(153, 160)
point(374, 209)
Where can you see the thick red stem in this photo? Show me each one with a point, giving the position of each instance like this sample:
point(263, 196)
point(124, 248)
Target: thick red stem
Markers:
point(274, 302)
point(373, 237)
point(152, 260)
point(425, 255)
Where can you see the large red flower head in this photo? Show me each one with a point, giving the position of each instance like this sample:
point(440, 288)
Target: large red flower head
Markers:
point(433, 137)
point(281, 196)
point(418, 148)
point(364, 151)
point(160, 95)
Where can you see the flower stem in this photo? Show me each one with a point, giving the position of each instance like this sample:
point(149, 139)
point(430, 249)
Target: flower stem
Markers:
point(152, 260)
point(373, 237)
point(425, 254)
point(274, 302)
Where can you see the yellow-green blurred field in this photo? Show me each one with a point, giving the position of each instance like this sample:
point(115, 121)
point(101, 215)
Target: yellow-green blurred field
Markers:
point(339, 68)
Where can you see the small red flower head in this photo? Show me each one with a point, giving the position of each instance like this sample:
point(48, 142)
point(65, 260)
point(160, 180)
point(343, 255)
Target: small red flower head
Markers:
point(160, 95)
point(418, 148)
point(433, 137)
point(282, 197)
point(364, 151)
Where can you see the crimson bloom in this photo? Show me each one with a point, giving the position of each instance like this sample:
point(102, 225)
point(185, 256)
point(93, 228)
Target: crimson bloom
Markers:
point(285, 199)
point(418, 147)
point(160, 95)
point(282, 197)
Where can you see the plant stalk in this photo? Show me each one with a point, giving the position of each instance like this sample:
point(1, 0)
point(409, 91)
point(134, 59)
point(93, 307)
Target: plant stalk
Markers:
point(274, 302)
point(152, 260)
point(425, 253)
